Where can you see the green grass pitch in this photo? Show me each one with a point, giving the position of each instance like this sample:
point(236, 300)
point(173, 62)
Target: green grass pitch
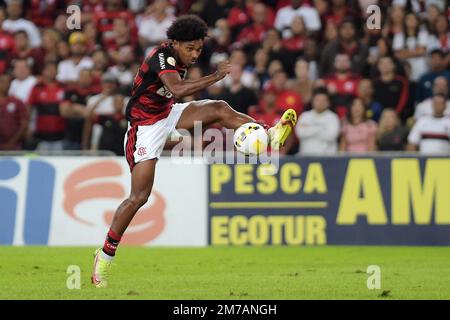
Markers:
point(222, 273)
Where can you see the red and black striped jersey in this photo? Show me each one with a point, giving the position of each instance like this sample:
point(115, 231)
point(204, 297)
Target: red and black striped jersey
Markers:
point(46, 97)
point(150, 100)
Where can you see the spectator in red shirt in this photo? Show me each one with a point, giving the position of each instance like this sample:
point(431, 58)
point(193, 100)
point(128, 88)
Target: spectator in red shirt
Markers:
point(267, 111)
point(119, 36)
point(342, 85)
point(43, 12)
point(295, 43)
point(238, 18)
point(92, 6)
point(45, 97)
point(340, 9)
point(7, 45)
point(13, 118)
point(253, 35)
point(113, 10)
point(285, 98)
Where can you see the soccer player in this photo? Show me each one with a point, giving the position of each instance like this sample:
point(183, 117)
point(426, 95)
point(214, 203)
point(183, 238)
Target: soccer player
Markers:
point(152, 116)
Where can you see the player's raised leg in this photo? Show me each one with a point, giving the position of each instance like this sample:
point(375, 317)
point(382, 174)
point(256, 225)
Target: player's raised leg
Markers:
point(211, 111)
point(142, 178)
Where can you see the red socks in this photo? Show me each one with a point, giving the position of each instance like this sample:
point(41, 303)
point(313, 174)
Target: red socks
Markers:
point(111, 243)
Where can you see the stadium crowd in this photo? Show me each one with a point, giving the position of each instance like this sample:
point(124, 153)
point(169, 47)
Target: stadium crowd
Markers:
point(355, 88)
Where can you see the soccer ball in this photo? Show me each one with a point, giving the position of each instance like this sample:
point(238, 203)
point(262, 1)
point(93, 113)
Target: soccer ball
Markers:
point(251, 139)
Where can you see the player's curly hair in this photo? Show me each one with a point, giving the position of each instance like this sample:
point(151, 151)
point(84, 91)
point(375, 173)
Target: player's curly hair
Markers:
point(187, 28)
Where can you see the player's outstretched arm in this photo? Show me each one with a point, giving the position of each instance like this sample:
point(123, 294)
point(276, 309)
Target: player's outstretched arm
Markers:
point(181, 88)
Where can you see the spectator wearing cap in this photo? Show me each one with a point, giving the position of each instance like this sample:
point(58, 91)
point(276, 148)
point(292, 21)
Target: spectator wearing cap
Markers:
point(358, 132)
point(15, 22)
point(6, 45)
point(45, 98)
point(346, 43)
point(318, 129)
point(13, 118)
point(437, 69)
point(411, 45)
point(342, 85)
point(425, 108)
point(310, 15)
point(23, 81)
point(431, 135)
point(68, 70)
